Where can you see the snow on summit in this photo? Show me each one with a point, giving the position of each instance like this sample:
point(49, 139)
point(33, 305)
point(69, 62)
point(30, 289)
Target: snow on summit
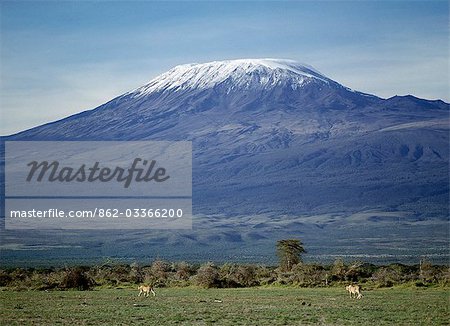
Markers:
point(241, 73)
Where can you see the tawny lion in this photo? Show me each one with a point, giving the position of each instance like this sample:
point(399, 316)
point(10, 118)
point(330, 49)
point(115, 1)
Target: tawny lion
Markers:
point(354, 290)
point(146, 289)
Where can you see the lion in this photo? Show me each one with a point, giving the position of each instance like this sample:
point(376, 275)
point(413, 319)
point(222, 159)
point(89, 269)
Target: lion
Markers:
point(146, 289)
point(354, 290)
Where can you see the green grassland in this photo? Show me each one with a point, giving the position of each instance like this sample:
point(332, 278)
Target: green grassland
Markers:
point(249, 306)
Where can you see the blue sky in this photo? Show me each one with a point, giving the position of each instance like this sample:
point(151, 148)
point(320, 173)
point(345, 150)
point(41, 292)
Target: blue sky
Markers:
point(59, 58)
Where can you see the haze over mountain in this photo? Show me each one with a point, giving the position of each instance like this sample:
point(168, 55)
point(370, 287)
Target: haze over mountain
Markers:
point(280, 150)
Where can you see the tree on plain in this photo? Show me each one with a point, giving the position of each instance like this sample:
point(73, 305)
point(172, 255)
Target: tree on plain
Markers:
point(289, 252)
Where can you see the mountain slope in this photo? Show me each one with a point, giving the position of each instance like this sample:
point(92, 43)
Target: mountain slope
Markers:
point(276, 138)
point(281, 120)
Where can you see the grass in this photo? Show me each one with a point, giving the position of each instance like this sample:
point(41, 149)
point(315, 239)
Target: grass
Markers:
point(252, 306)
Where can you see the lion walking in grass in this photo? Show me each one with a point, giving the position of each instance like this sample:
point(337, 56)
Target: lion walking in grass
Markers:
point(354, 290)
point(146, 289)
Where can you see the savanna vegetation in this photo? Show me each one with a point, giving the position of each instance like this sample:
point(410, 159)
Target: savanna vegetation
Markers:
point(292, 293)
point(164, 274)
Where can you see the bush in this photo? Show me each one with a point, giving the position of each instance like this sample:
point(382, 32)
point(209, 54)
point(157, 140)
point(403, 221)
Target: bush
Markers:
point(444, 276)
point(338, 271)
point(233, 275)
point(136, 275)
point(427, 273)
point(207, 276)
point(264, 275)
point(76, 278)
point(386, 277)
point(161, 273)
point(308, 275)
point(5, 278)
point(183, 271)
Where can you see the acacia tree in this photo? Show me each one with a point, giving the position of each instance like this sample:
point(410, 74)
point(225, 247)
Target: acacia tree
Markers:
point(339, 270)
point(289, 252)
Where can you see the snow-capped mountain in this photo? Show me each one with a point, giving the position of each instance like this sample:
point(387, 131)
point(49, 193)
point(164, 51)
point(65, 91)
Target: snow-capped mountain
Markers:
point(277, 138)
point(216, 90)
point(237, 74)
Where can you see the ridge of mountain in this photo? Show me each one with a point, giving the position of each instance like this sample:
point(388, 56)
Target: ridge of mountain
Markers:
point(279, 149)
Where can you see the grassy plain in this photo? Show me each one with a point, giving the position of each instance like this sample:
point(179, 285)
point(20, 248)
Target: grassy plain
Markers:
point(250, 306)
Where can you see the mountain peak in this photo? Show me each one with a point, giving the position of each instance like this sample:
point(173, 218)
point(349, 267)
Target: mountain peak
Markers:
point(269, 63)
point(242, 73)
